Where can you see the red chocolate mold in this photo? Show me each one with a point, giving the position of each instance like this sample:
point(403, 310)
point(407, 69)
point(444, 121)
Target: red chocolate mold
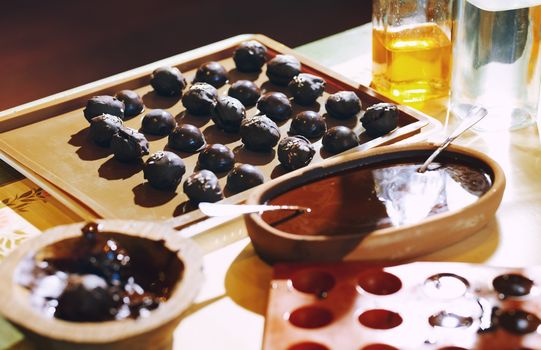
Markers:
point(379, 347)
point(308, 346)
point(380, 319)
point(313, 281)
point(311, 317)
point(379, 282)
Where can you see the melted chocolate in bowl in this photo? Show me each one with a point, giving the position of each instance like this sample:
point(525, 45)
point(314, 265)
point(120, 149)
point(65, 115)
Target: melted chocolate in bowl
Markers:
point(100, 276)
point(379, 195)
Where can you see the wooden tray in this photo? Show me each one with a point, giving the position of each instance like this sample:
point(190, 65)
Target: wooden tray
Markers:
point(47, 139)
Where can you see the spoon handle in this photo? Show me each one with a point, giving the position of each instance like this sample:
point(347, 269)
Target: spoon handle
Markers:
point(475, 114)
point(217, 209)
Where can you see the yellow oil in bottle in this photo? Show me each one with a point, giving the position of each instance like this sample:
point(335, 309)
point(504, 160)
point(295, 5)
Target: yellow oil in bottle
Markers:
point(412, 63)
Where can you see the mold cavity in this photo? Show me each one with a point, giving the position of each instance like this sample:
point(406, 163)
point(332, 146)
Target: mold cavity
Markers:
point(379, 347)
point(519, 322)
point(445, 286)
point(513, 285)
point(380, 319)
point(449, 320)
point(313, 282)
point(379, 282)
point(310, 317)
point(308, 346)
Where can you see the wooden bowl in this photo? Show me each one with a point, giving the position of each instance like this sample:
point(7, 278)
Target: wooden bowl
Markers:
point(385, 244)
point(154, 331)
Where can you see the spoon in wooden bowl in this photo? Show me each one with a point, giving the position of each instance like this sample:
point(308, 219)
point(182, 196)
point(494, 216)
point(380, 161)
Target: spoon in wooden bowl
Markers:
point(218, 209)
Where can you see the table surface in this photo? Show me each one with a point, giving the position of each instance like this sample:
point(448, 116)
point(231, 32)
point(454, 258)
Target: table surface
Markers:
point(230, 308)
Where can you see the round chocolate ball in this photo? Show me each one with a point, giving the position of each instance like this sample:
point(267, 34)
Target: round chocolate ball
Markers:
point(103, 104)
point(511, 284)
point(200, 98)
point(243, 177)
point(519, 322)
point(167, 81)
point(309, 124)
point(186, 138)
point(245, 91)
point(259, 133)
point(212, 73)
point(228, 113)
point(282, 68)
point(275, 105)
point(379, 119)
point(203, 186)
point(338, 139)
point(158, 122)
point(164, 170)
point(103, 127)
point(250, 56)
point(129, 145)
point(133, 103)
point(295, 152)
point(306, 88)
point(216, 158)
point(343, 105)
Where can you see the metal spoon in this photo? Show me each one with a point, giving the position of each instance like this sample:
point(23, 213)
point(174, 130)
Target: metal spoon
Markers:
point(217, 209)
point(475, 114)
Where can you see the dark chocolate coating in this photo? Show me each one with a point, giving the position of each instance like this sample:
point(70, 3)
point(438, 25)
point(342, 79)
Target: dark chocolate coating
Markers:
point(203, 186)
point(518, 321)
point(259, 133)
point(343, 105)
point(103, 127)
point(275, 105)
point(129, 145)
point(228, 113)
point(200, 98)
point(167, 81)
point(186, 138)
point(212, 73)
point(295, 152)
point(158, 122)
point(243, 177)
point(379, 119)
point(511, 284)
point(164, 170)
point(250, 56)
point(306, 88)
point(338, 139)
point(245, 91)
point(133, 103)
point(282, 68)
point(103, 104)
point(309, 124)
point(216, 158)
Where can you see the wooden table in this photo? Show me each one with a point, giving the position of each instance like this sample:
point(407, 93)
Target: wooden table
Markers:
point(229, 311)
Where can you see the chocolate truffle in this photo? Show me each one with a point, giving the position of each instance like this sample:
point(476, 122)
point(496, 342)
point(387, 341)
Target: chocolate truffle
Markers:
point(343, 105)
point(186, 138)
point(212, 73)
point(379, 119)
point(275, 105)
point(306, 88)
point(282, 68)
point(309, 124)
point(228, 113)
point(164, 170)
point(158, 122)
point(259, 133)
point(295, 152)
point(133, 103)
point(339, 139)
point(200, 98)
point(129, 145)
point(519, 322)
point(245, 91)
point(243, 177)
point(167, 81)
point(511, 284)
point(250, 56)
point(203, 186)
point(103, 104)
point(103, 127)
point(216, 158)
